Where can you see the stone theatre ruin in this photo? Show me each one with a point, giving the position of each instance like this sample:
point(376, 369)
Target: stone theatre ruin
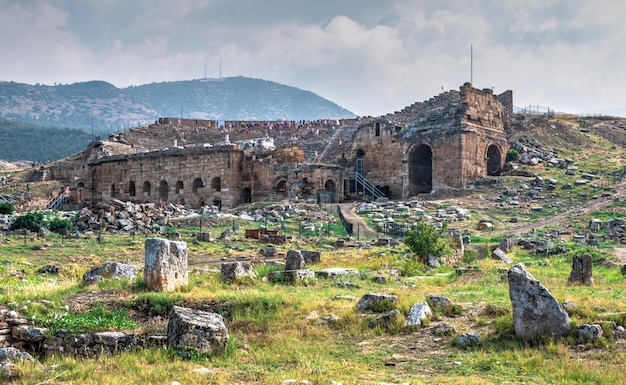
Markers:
point(444, 143)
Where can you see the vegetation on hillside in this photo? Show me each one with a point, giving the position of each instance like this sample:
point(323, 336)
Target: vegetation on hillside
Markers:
point(24, 141)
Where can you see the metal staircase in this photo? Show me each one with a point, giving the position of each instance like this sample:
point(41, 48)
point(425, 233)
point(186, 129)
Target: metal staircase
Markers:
point(57, 201)
point(361, 184)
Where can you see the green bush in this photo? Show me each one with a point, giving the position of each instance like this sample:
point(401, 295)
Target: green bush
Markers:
point(30, 221)
point(6, 208)
point(512, 155)
point(60, 226)
point(426, 239)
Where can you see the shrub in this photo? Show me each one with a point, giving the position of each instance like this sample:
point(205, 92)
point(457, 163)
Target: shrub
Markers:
point(60, 226)
point(6, 208)
point(426, 239)
point(30, 221)
point(512, 155)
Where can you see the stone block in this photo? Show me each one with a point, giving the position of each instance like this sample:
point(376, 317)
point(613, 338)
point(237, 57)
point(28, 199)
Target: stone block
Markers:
point(166, 264)
point(197, 331)
point(294, 261)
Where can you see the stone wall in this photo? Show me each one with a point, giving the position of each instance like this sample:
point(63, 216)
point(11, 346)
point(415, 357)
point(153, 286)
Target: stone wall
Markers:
point(454, 139)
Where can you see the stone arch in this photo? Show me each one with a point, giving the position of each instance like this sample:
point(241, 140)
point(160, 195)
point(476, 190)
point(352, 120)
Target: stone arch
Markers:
point(281, 187)
point(197, 184)
point(246, 195)
point(494, 160)
point(147, 189)
point(420, 169)
point(163, 191)
point(131, 189)
point(330, 186)
point(180, 187)
point(216, 184)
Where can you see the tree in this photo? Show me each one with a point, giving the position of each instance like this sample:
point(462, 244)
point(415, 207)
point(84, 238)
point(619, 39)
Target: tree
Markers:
point(426, 239)
point(512, 155)
point(6, 208)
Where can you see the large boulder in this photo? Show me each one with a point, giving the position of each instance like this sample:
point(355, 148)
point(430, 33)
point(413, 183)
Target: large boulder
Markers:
point(113, 270)
point(190, 330)
point(373, 301)
point(535, 311)
point(166, 264)
point(311, 256)
point(418, 312)
point(231, 271)
point(295, 260)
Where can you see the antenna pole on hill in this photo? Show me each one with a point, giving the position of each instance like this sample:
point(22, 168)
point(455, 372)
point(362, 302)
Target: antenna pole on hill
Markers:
point(471, 64)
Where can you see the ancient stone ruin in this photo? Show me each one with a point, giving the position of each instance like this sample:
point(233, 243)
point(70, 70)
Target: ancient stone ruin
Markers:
point(444, 143)
point(582, 270)
point(196, 331)
point(166, 264)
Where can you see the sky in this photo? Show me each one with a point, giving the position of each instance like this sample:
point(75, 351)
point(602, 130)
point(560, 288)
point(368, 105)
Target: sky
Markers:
point(370, 56)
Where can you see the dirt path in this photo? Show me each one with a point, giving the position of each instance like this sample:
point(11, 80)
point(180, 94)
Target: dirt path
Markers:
point(361, 229)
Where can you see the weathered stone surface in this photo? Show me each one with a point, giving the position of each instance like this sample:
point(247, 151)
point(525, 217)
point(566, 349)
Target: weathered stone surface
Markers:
point(28, 333)
point(438, 302)
point(372, 301)
point(11, 354)
point(501, 256)
point(336, 272)
point(535, 311)
point(419, 311)
point(469, 339)
point(231, 271)
point(386, 319)
point(311, 256)
point(166, 264)
point(195, 330)
point(49, 269)
point(294, 261)
point(204, 236)
point(582, 270)
point(302, 275)
point(443, 329)
point(432, 261)
point(113, 270)
point(589, 332)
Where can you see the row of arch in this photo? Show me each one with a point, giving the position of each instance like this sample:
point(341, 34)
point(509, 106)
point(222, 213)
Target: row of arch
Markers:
point(163, 188)
point(421, 167)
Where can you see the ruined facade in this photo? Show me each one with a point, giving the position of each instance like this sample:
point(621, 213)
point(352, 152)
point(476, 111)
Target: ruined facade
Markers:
point(444, 143)
point(451, 140)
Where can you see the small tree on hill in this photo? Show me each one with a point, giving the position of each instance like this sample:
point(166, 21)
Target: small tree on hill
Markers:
point(426, 239)
point(6, 208)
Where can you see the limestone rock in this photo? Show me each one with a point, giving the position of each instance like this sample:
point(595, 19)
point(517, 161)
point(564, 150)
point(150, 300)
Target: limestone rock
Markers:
point(589, 332)
point(432, 261)
point(113, 270)
point(204, 236)
point(582, 270)
point(311, 256)
point(535, 311)
point(231, 271)
point(294, 261)
point(196, 330)
point(28, 333)
point(166, 264)
point(386, 319)
point(438, 302)
point(372, 301)
point(418, 312)
point(11, 354)
point(469, 339)
point(334, 272)
point(498, 254)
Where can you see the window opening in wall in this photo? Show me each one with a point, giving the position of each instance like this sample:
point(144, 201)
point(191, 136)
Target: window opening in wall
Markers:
point(197, 183)
point(131, 189)
point(163, 191)
point(147, 189)
point(420, 170)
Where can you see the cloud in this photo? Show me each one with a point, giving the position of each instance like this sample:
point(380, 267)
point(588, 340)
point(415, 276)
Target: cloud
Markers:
point(369, 56)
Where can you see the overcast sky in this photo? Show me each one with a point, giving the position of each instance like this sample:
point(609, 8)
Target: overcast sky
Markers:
point(369, 56)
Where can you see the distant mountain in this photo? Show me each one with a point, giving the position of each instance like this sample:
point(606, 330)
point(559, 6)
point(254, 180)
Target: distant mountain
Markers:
point(106, 108)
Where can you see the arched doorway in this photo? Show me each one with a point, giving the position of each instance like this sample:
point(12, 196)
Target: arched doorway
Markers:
point(131, 189)
point(79, 192)
point(420, 170)
point(113, 192)
point(216, 184)
point(281, 188)
point(147, 189)
point(246, 195)
point(163, 191)
point(197, 184)
point(180, 187)
point(329, 186)
point(494, 160)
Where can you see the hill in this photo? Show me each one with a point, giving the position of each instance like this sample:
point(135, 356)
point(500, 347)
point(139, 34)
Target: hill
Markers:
point(106, 108)
point(24, 141)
